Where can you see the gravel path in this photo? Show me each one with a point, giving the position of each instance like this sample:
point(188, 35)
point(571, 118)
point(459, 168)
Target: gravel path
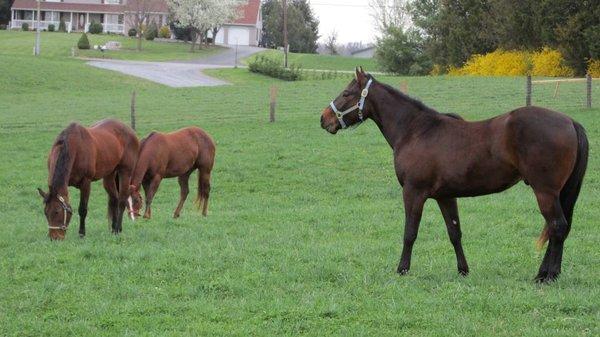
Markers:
point(179, 74)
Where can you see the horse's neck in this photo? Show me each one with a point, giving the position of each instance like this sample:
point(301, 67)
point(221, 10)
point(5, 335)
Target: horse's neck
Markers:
point(140, 170)
point(398, 118)
point(61, 172)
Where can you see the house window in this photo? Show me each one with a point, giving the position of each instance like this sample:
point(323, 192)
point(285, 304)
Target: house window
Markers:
point(112, 2)
point(112, 19)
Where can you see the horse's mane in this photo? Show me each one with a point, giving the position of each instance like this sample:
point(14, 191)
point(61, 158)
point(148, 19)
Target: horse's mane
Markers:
point(61, 167)
point(415, 102)
point(147, 138)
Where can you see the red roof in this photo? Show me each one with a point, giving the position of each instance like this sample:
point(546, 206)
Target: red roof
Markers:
point(250, 13)
point(81, 7)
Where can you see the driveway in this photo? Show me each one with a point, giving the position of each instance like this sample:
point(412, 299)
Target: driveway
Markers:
point(179, 74)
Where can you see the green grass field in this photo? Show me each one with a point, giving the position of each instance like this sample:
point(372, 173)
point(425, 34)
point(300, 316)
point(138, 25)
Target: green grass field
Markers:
point(325, 62)
point(304, 228)
point(59, 45)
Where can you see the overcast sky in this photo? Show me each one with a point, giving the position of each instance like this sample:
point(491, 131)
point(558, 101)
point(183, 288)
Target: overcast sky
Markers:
point(350, 18)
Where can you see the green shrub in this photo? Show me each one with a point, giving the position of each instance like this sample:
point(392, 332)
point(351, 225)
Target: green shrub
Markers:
point(151, 32)
point(50, 27)
point(24, 26)
point(62, 26)
point(273, 68)
point(164, 32)
point(402, 53)
point(2, 27)
point(132, 32)
point(83, 42)
point(95, 28)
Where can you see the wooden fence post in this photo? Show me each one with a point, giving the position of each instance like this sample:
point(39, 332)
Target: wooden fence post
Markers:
point(404, 87)
point(528, 91)
point(556, 89)
point(589, 90)
point(273, 95)
point(133, 110)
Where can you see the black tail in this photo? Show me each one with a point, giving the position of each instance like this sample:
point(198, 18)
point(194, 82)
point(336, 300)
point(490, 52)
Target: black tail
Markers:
point(570, 192)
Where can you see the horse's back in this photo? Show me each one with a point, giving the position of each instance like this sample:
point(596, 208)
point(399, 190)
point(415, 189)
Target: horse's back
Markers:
point(115, 143)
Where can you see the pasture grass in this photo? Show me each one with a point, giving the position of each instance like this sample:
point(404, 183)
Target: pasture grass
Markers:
point(304, 228)
point(323, 62)
point(56, 44)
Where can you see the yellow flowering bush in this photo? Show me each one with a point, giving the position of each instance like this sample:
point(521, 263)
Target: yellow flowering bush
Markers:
point(594, 68)
point(547, 62)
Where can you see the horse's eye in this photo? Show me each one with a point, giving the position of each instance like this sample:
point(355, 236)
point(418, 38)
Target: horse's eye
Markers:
point(346, 93)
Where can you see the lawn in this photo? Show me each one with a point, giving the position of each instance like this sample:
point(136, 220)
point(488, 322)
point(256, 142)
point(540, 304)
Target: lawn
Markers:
point(304, 228)
point(57, 44)
point(324, 62)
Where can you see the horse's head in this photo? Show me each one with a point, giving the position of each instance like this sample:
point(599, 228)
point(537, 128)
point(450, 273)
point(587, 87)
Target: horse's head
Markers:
point(58, 213)
point(348, 108)
point(134, 202)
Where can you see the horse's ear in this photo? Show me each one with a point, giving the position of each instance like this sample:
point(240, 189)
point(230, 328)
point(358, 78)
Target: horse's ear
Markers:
point(361, 70)
point(42, 193)
point(360, 76)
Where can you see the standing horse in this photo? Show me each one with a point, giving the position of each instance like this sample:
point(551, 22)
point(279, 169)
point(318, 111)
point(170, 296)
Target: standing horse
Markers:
point(107, 150)
point(443, 157)
point(176, 154)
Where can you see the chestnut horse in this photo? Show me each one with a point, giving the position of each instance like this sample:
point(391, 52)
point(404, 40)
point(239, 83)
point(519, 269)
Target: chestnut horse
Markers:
point(176, 154)
point(108, 150)
point(443, 157)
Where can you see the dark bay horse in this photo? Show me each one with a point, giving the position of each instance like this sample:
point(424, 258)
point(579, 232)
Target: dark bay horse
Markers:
point(176, 154)
point(443, 157)
point(108, 150)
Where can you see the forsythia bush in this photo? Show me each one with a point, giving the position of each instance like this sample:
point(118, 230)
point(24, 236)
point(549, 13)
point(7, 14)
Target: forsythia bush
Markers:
point(594, 68)
point(547, 62)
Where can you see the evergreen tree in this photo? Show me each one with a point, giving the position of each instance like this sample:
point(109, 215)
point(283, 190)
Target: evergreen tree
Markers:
point(303, 27)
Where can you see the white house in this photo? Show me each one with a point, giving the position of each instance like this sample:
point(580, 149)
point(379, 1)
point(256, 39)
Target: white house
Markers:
point(246, 30)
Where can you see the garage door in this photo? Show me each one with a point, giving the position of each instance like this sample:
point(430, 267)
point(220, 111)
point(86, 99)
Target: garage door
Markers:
point(239, 35)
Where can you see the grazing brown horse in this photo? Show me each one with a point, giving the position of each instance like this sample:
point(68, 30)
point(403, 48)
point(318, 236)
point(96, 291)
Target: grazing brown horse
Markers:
point(176, 154)
point(443, 157)
point(108, 150)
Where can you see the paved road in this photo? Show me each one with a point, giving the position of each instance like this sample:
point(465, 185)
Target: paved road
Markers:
point(179, 74)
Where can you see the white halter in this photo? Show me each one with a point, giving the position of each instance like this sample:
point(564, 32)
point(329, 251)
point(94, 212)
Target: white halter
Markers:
point(66, 209)
point(358, 106)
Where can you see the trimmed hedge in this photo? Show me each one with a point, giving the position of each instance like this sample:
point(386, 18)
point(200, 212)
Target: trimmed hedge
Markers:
point(270, 67)
point(95, 28)
point(151, 32)
point(83, 42)
point(62, 26)
point(50, 27)
point(164, 32)
point(24, 26)
point(132, 32)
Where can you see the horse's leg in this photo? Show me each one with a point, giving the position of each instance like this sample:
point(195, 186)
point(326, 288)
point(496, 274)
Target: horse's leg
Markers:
point(413, 209)
point(150, 191)
point(558, 229)
point(185, 190)
point(84, 196)
point(124, 180)
point(450, 212)
point(110, 185)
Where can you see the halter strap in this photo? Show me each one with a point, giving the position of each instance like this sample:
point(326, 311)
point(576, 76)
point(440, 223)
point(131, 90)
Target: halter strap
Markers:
point(358, 106)
point(66, 209)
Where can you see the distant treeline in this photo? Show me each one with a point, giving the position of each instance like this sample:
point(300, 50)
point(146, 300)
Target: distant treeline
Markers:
point(453, 30)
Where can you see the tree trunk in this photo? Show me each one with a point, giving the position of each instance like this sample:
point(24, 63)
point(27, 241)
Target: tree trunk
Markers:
point(193, 37)
point(139, 41)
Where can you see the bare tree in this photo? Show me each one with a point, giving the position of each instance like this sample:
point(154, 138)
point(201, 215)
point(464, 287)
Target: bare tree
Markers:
point(138, 12)
point(390, 13)
point(331, 43)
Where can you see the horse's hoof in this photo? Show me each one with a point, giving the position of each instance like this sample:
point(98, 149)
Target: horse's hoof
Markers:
point(402, 271)
point(147, 217)
point(82, 235)
point(463, 272)
point(175, 216)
